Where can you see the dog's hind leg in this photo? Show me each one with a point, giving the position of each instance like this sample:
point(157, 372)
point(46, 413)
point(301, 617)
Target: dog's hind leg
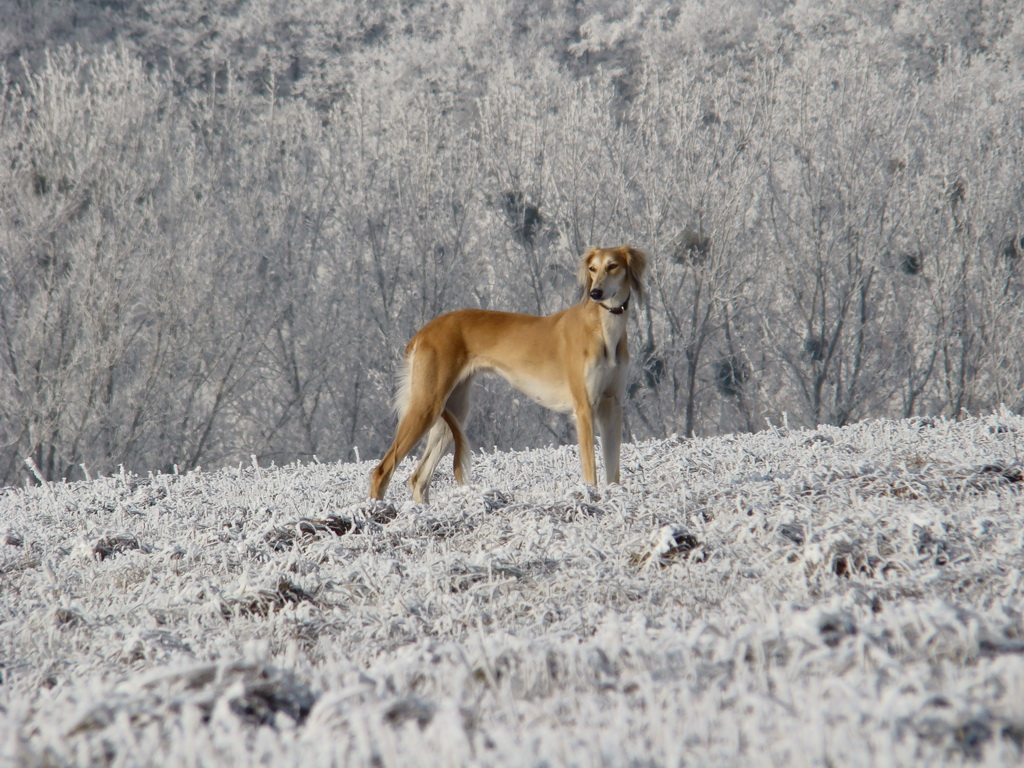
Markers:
point(440, 438)
point(455, 414)
point(411, 429)
point(423, 400)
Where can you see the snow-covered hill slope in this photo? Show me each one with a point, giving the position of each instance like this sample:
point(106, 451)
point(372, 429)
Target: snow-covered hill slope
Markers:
point(841, 596)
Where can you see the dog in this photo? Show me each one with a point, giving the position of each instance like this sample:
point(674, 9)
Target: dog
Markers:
point(574, 361)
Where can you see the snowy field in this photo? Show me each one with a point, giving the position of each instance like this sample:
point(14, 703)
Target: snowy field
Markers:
point(845, 596)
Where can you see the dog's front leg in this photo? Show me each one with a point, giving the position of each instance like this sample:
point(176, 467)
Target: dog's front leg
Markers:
point(585, 432)
point(609, 421)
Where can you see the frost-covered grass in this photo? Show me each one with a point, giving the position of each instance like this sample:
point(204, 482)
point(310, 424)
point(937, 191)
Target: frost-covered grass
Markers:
point(845, 596)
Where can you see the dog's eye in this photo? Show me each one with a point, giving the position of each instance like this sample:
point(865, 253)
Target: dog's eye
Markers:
point(612, 267)
point(592, 268)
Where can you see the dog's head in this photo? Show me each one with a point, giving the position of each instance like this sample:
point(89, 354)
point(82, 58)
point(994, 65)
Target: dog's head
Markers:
point(613, 275)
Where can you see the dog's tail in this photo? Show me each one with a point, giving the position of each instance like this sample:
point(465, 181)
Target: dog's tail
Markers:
point(462, 454)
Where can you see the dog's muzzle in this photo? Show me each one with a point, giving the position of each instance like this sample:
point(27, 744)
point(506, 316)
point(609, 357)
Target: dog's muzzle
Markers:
point(597, 294)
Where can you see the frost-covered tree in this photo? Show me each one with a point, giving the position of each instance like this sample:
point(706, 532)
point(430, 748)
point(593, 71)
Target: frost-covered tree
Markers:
point(220, 222)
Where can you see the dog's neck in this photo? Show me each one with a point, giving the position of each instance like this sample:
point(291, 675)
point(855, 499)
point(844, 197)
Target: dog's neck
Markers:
point(613, 321)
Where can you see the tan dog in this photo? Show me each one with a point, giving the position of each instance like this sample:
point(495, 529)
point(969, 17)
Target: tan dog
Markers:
point(574, 360)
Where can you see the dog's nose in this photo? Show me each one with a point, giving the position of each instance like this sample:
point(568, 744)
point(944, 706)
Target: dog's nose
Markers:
point(596, 294)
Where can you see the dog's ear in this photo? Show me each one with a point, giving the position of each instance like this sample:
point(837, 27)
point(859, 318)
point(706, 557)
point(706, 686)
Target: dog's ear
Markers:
point(584, 272)
point(636, 263)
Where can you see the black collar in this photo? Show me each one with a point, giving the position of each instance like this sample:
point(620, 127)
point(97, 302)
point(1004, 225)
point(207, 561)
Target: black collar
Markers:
point(618, 310)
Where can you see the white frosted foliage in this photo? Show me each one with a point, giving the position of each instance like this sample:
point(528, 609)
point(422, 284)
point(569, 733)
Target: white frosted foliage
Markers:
point(841, 595)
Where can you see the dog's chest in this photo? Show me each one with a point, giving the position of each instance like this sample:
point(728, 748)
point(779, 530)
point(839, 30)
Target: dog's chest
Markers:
point(607, 369)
